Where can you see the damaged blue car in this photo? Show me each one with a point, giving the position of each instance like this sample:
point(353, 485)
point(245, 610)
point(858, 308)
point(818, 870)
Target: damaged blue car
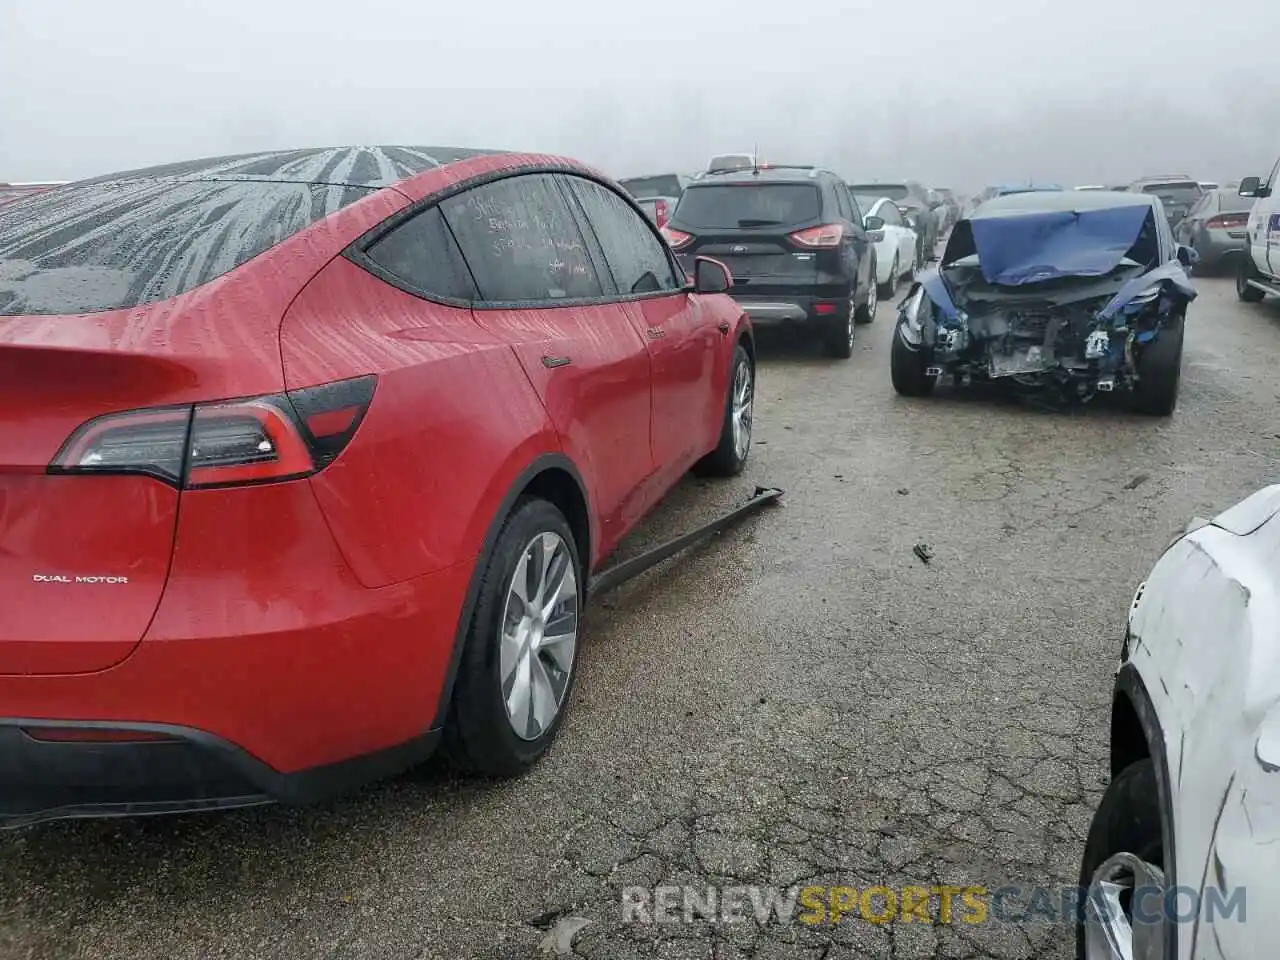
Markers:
point(1071, 292)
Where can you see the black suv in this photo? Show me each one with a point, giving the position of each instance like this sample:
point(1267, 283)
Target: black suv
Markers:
point(794, 240)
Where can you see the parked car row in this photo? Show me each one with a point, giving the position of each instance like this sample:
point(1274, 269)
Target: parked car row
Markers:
point(808, 252)
point(275, 551)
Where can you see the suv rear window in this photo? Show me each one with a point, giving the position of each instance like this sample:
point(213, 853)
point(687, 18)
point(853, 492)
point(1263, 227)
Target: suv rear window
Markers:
point(1188, 192)
point(664, 186)
point(894, 191)
point(118, 244)
point(749, 204)
point(1231, 202)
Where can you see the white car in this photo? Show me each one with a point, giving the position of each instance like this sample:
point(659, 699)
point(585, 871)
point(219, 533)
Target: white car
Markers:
point(1182, 854)
point(895, 241)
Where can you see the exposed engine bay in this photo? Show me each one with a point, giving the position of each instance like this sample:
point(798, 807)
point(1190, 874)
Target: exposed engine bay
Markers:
point(1045, 324)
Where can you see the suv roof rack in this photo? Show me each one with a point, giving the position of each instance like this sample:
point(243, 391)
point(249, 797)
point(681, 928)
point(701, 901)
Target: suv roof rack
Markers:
point(755, 171)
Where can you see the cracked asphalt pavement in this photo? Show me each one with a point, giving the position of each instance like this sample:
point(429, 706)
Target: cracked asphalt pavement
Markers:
point(802, 700)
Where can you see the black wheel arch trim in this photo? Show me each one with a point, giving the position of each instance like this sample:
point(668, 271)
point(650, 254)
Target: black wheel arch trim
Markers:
point(540, 464)
point(305, 786)
point(1129, 684)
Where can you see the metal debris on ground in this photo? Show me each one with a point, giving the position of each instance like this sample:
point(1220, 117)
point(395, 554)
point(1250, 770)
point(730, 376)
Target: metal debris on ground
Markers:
point(923, 551)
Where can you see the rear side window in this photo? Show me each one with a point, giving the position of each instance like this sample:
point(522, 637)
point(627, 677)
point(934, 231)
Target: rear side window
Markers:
point(749, 205)
point(521, 241)
point(855, 211)
point(113, 245)
point(1231, 202)
point(636, 257)
point(421, 254)
point(665, 186)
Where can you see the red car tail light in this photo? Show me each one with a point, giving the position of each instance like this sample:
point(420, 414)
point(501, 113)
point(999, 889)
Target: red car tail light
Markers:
point(824, 309)
point(1228, 220)
point(227, 443)
point(676, 238)
point(826, 235)
point(660, 213)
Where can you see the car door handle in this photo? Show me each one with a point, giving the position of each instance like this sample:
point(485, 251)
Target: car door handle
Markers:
point(723, 327)
point(549, 361)
point(656, 333)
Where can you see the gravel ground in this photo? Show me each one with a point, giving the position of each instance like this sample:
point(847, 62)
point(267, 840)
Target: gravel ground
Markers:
point(801, 701)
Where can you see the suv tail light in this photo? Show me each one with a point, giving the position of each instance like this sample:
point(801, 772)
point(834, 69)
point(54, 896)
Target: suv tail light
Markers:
point(660, 213)
point(1228, 220)
point(227, 443)
point(676, 238)
point(826, 235)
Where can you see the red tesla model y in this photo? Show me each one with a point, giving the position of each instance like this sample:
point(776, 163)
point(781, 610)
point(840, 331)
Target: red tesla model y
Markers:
point(306, 458)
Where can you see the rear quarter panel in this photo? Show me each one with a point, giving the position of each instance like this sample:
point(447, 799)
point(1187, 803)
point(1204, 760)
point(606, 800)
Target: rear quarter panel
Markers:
point(453, 422)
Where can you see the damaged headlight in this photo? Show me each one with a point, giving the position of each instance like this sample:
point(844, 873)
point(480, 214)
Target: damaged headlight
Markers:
point(1144, 297)
point(910, 313)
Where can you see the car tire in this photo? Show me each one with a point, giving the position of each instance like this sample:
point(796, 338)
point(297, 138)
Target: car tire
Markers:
point(1247, 272)
point(1159, 373)
point(867, 310)
point(837, 333)
point(734, 446)
point(1127, 821)
point(887, 289)
point(907, 366)
point(480, 734)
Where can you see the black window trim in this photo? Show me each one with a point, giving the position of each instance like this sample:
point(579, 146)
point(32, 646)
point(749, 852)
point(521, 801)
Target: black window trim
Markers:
point(580, 212)
point(357, 250)
point(595, 249)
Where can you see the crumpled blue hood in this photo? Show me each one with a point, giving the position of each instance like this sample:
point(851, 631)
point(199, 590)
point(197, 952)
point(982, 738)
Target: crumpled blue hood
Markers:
point(1033, 247)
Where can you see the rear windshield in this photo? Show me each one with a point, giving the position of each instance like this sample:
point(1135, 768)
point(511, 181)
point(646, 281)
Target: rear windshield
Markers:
point(748, 205)
point(891, 190)
point(113, 245)
point(1175, 192)
point(730, 161)
point(664, 186)
point(1231, 202)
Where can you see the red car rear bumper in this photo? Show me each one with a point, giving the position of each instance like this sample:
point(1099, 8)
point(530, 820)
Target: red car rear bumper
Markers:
point(273, 674)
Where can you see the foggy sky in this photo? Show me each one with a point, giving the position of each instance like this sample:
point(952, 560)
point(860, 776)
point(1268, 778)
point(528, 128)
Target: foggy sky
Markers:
point(960, 94)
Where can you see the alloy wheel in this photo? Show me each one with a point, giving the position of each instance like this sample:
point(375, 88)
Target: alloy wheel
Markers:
point(742, 404)
point(1110, 933)
point(539, 635)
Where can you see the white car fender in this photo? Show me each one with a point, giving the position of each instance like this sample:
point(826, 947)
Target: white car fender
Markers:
point(1204, 636)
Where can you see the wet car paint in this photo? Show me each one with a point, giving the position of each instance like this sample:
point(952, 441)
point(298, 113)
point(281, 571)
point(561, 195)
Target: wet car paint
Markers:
point(285, 599)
